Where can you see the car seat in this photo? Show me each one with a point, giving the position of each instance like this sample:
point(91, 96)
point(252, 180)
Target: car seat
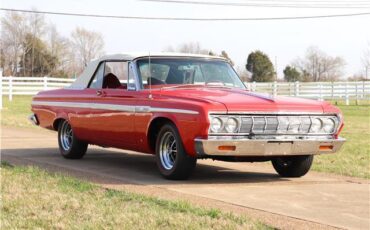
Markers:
point(111, 82)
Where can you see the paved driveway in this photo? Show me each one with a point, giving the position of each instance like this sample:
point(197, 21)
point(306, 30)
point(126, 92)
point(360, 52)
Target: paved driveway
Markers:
point(332, 201)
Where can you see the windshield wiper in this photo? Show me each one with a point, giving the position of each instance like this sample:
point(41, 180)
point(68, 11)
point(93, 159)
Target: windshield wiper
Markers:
point(219, 86)
point(180, 86)
point(194, 86)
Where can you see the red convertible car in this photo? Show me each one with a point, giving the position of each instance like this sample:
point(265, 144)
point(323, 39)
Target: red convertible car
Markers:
point(181, 108)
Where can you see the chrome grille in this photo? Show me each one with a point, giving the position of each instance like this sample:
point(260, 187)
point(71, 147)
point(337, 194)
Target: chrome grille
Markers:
point(280, 124)
point(276, 124)
point(247, 124)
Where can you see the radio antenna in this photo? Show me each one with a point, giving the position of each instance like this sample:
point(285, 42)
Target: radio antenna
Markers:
point(150, 78)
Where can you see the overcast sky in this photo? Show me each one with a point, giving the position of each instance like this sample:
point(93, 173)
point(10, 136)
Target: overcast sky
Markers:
point(286, 40)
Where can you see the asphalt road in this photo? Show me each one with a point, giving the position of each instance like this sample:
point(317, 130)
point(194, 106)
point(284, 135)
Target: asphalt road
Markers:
point(317, 199)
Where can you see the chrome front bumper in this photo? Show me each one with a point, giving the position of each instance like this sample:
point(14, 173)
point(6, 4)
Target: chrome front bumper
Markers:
point(270, 147)
point(33, 119)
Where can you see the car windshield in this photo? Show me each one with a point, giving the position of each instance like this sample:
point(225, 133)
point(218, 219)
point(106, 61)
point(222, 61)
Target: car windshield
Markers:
point(170, 72)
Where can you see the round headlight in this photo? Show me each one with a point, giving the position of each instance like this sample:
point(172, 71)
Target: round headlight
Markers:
point(216, 124)
point(316, 125)
point(328, 125)
point(231, 125)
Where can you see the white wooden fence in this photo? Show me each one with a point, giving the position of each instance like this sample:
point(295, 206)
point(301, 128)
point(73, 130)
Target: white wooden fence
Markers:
point(31, 85)
point(347, 91)
point(352, 90)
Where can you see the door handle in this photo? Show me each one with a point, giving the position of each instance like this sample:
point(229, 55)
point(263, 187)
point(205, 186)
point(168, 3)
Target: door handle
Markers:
point(99, 93)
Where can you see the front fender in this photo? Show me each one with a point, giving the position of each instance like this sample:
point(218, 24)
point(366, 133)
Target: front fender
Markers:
point(189, 126)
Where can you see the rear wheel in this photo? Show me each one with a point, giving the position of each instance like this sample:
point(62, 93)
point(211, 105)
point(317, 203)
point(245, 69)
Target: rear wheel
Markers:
point(172, 160)
point(293, 166)
point(69, 146)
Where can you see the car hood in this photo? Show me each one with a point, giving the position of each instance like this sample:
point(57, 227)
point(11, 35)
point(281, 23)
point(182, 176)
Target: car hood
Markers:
point(236, 100)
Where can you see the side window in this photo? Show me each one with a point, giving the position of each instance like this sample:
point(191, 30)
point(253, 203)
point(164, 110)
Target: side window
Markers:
point(118, 68)
point(97, 79)
point(115, 74)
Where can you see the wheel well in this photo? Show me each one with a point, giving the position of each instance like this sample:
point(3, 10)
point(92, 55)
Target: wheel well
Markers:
point(56, 123)
point(154, 129)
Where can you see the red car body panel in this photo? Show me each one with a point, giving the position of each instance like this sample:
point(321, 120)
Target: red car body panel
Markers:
point(129, 130)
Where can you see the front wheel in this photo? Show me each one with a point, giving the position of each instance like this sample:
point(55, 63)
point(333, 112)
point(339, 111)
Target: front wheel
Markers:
point(69, 146)
point(292, 166)
point(172, 160)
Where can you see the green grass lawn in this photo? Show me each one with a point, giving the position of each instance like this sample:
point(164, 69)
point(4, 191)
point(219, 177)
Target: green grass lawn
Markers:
point(15, 113)
point(354, 157)
point(35, 199)
point(352, 160)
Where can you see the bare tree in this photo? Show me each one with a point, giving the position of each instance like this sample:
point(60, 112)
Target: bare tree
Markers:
point(244, 74)
point(319, 66)
point(12, 36)
point(225, 55)
point(30, 46)
point(87, 45)
point(16, 27)
point(72, 64)
point(195, 48)
point(37, 27)
point(37, 24)
point(190, 47)
point(59, 47)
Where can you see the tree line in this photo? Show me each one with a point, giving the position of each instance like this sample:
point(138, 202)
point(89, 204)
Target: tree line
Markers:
point(316, 65)
point(30, 46)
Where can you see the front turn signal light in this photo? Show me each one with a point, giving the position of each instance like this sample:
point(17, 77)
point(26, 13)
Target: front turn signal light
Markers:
point(227, 147)
point(326, 148)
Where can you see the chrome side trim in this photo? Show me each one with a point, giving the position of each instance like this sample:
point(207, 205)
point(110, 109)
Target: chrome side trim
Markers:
point(86, 105)
point(156, 109)
point(142, 109)
point(269, 147)
point(114, 107)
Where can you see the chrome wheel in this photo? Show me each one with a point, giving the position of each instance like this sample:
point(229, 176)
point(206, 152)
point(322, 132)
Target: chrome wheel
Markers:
point(168, 150)
point(172, 160)
point(66, 136)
